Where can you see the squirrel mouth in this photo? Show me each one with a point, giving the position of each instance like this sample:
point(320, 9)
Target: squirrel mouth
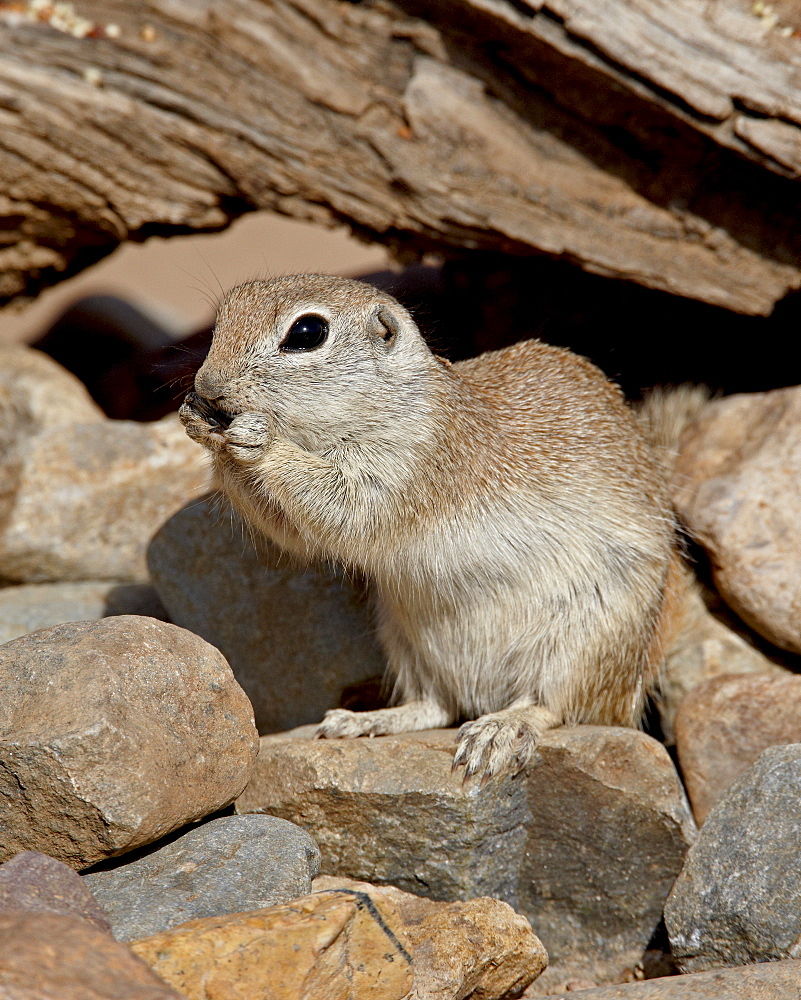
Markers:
point(208, 411)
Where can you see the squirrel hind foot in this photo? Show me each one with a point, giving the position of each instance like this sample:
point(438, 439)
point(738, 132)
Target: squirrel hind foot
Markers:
point(502, 742)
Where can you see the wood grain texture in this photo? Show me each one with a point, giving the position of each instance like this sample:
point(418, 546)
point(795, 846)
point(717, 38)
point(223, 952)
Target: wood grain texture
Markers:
point(640, 139)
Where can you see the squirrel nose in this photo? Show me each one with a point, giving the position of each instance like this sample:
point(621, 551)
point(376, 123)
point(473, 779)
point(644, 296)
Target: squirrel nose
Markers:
point(210, 384)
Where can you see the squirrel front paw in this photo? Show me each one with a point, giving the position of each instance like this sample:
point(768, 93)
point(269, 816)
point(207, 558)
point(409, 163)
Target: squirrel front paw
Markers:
point(249, 436)
point(199, 426)
point(341, 722)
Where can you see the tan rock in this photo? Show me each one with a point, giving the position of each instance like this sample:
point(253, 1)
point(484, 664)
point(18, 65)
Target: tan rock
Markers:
point(739, 470)
point(723, 726)
point(339, 945)
point(49, 957)
point(586, 843)
point(86, 498)
point(479, 948)
point(295, 637)
point(706, 648)
point(37, 393)
point(771, 981)
point(114, 733)
point(40, 884)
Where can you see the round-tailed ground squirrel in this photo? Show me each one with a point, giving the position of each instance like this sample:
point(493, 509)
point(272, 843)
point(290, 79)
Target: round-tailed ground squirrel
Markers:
point(509, 513)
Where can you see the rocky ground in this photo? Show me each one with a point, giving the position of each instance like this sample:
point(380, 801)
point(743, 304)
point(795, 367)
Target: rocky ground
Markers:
point(155, 845)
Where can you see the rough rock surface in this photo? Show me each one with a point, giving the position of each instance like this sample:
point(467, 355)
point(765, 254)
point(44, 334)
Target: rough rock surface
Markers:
point(40, 884)
point(325, 946)
point(479, 948)
point(706, 648)
point(586, 842)
point(739, 470)
point(294, 637)
point(50, 957)
point(773, 981)
point(85, 499)
point(228, 865)
point(114, 733)
point(32, 606)
point(738, 897)
point(724, 725)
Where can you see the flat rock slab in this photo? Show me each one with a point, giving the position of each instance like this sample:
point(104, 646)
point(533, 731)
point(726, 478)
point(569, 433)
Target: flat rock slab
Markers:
point(773, 981)
point(32, 606)
point(49, 957)
point(586, 843)
point(723, 726)
point(294, 637)
point(113, 734)
point(478, 948)
point(325, 946)
point(40, 884)
point(739, 470)
point(227, 865)
point(85, 499)
point(738, 897)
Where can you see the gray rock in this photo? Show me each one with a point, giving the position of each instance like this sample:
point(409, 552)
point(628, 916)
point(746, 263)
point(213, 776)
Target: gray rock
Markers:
point(82, 501)
point(586, 842)
point(37, 883)
point(294, 637)
point(114, 733)
point(776, 981)
point(32, 606)
point(228, 865)
point(738, 897)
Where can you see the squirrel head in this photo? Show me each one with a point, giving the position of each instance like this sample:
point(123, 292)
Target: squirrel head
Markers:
point(329, 359)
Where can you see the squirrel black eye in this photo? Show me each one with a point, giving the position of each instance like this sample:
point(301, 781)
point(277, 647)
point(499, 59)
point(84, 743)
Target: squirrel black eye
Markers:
point(306, 333)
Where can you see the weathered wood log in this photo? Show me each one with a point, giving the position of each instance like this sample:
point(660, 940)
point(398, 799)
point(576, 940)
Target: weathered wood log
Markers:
point(652, 141)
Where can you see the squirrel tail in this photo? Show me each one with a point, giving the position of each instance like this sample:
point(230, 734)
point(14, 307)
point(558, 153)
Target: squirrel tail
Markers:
point(663, 415)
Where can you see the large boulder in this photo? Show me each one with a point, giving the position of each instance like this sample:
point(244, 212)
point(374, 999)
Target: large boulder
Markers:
point(114, 733)
point(295, 637)
point(586, 842)
point(738, 897)
point(737, 477)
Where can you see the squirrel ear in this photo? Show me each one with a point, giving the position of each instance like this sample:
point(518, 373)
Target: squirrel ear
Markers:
point(384, 325)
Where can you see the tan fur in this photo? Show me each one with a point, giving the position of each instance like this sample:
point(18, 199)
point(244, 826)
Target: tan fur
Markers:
point(511, 516)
